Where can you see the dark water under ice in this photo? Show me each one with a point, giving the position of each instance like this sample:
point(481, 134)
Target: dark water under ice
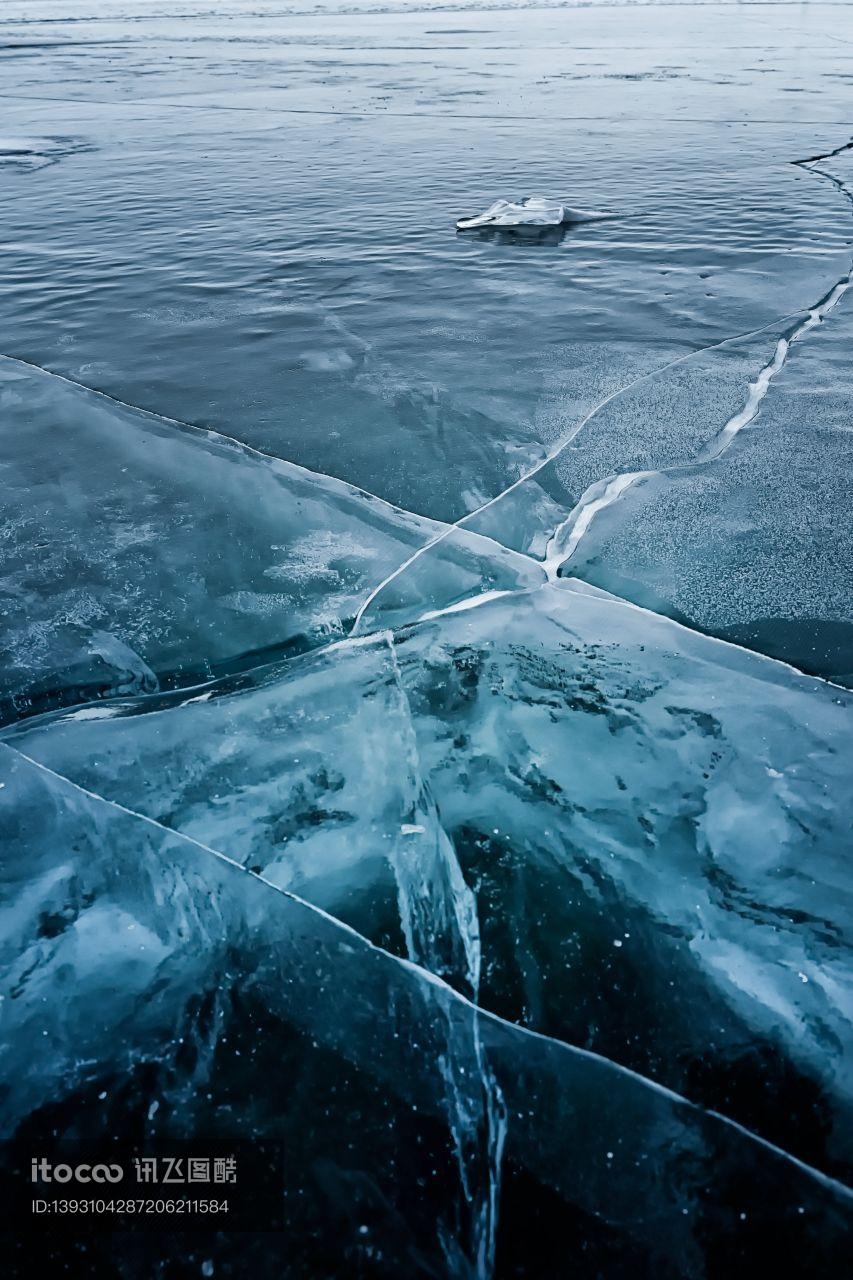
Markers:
point(386, 769)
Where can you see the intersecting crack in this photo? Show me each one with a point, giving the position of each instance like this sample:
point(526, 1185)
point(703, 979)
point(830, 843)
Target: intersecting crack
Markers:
point(567, 537)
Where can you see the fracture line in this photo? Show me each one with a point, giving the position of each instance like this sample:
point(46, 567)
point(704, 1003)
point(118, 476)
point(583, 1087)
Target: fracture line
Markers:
point(566, 538)
point(366, 114)
point(554, 453)
point(432, 979)
point(342, 488)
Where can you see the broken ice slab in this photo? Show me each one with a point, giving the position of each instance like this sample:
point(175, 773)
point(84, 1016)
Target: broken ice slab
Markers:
point(138, 551)
point(654, 824)
point(307, 773)
point(136, 961)
point(657, 825)
point(532, 211)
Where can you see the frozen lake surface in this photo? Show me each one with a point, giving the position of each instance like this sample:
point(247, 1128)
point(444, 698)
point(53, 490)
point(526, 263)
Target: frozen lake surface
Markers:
point(425, 656)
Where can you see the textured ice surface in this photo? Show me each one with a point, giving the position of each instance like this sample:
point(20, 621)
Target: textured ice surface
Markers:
point(175, 968)
point(308, 775)
point(653, 823)
point(627, 842)
point(179, 972)
point(753, 544)
point(136, 551)
point(656, 824)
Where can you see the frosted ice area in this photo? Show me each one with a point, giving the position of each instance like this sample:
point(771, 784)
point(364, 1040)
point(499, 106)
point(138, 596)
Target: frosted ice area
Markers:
point(763, 508)
point(426, 723)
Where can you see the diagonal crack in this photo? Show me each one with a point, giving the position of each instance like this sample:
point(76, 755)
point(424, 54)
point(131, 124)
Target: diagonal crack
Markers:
point(568, 536)
point(603, 493)
point(343, 487)
point(439, 909)
point(453, 997)
point(552, 454)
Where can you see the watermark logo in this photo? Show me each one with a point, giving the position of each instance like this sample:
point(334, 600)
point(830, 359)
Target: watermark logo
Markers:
point(109, 1183)
point(42, 1170)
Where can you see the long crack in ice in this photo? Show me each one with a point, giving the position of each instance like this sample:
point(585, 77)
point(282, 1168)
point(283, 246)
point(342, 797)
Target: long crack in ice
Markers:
point(239, 446)
point(489, 1024)
point(567, 537)
point(552, 454)
point(439, 916)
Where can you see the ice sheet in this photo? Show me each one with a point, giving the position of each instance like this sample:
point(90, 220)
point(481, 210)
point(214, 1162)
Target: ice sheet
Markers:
point(137, 551)
point(625, 842)
point(652, 824)
point(277, 260)
point(169, 959)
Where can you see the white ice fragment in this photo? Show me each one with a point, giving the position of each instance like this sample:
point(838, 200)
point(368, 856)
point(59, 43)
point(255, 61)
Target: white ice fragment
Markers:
point(412, 829)
point(532, 211)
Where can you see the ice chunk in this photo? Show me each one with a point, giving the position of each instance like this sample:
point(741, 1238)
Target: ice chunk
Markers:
point(604, 774)
point(36, 153)
point(532, 211)
point(306, 773)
